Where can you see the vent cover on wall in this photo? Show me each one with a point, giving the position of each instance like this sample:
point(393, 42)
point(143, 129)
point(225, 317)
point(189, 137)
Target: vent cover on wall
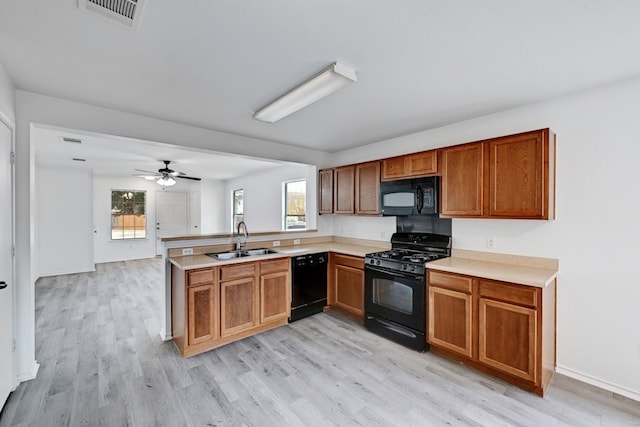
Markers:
point(126, 12)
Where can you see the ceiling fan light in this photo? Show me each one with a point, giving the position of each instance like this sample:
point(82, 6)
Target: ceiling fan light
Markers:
point(166, 181)
point(322, 84)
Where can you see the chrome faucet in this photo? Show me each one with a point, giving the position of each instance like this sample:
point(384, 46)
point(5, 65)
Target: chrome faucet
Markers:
point(240, 244)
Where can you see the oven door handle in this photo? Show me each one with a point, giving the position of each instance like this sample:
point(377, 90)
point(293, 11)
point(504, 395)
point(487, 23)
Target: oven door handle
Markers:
point(417, 278)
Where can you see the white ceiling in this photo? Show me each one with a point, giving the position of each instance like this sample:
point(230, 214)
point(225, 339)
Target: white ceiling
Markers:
point(420, 63)
point(109, 155)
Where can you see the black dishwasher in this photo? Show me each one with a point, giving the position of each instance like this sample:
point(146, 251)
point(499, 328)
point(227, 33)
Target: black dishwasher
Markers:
point(308, 285)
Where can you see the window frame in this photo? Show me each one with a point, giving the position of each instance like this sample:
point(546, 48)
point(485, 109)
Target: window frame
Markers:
point(285, 203)
point(234, 224)
point(139, 233)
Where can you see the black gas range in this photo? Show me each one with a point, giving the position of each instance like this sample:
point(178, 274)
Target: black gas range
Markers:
point(395, 287)
point(409, 252)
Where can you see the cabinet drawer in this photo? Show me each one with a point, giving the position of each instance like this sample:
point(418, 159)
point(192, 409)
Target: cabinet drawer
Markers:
point(516, 294)
point(200, 277)
point(349, 261)
point(237, 271)
point(275, 265)
point(450, 281)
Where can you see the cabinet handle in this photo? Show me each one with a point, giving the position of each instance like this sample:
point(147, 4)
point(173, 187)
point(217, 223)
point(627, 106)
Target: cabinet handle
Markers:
point(3, 285)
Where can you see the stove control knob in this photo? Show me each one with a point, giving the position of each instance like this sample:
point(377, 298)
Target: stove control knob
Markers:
point(404, 266)
point(377, 262)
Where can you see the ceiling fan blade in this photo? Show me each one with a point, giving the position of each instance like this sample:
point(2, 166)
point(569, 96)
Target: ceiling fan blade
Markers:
point(189, 177)
point(147, 172)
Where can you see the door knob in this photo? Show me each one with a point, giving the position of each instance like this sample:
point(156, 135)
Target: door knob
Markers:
point(3, 285)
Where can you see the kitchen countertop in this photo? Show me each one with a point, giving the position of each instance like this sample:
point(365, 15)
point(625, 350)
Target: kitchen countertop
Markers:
point(539, 276)
point(530, 271)
point(189, 262)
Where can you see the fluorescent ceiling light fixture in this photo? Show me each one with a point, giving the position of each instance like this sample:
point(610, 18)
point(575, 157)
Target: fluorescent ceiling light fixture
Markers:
point(317, 87)
point(166, 181)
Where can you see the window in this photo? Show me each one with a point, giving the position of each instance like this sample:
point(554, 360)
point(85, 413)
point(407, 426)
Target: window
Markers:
point(128, 214)
point(295, 203)
point(238, 208)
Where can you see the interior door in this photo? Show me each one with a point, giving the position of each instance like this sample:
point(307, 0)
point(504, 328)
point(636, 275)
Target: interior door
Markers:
point(6, 265)
point(171, 215)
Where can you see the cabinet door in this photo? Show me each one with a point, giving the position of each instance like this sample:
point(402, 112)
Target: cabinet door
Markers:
point(326, 192)
point(275, 300)
point(368, 188)
point(462, 192)
point(393, 168)
point(450, 317)
point(424, 163)
point(202, 314)
point(343, 190)
point(507, 336)
point(517, 176)
point(349, 289)
point(238, 305)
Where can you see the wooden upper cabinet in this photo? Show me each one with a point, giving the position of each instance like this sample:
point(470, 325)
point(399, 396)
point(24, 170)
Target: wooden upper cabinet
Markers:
point(410, 165)
point(367, 196)
point(326, 192)
point(521, 185)
point(463, 184)
point(343, 190)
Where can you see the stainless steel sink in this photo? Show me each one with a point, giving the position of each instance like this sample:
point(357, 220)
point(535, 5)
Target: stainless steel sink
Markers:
point(238, 254)
point(227, 255)
point(260, 251)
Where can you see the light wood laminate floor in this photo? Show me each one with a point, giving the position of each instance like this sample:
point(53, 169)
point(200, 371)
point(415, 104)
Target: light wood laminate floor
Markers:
point(102, 363)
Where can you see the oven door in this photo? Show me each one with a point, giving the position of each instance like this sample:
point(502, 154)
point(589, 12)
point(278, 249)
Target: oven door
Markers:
point(395, 296)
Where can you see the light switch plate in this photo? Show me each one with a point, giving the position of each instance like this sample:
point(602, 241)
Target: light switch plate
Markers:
point(187, 251)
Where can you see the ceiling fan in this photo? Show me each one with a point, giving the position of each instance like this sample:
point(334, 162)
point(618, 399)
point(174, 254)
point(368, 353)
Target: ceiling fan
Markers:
point(165, 176)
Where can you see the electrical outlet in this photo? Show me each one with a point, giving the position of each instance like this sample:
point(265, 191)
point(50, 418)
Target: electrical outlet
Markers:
point(187, 251)
point(296, 241)
point(276, 243)
point(491, 242)
point(383, 235)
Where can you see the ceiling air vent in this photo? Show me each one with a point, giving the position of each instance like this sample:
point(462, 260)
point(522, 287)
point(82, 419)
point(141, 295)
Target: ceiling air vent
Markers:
point(126, 12)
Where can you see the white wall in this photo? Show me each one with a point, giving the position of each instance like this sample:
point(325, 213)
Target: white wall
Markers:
point(64, 221)
point(596, 232)
point(212, 206)
point(7, 96)
point(263, 196)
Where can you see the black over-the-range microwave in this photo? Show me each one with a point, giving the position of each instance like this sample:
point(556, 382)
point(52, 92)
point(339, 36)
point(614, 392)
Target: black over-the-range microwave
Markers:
point(418, 196)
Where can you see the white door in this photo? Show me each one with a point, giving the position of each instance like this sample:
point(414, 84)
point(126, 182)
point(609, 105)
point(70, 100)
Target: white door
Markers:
point(171, 215)
point(6, 265)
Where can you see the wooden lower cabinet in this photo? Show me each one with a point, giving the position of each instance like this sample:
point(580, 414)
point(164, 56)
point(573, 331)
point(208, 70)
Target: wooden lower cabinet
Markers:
point(275, 291)
point(450, 320)
point(507, 338)
point(346, 284)
point(238, 305)
point(202, 319)
point(215, 306)
point(504, 329)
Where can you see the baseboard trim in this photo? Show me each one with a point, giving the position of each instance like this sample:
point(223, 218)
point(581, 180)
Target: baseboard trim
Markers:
point(29, 375)
point(165, 337)
point(597, 382)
